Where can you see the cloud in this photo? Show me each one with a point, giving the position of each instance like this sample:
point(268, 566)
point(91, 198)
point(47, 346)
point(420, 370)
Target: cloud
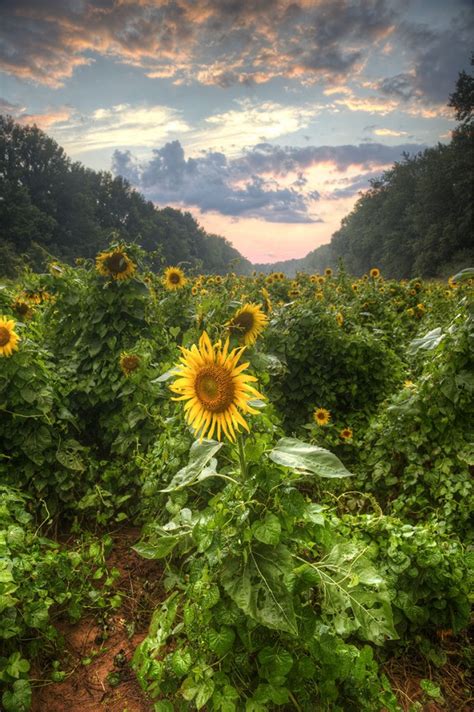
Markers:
point(252, 122)
point(272, 183)
point(389, 132)
point(121, 125)
point(217, 42)
point(436, 57)
point(44, 119)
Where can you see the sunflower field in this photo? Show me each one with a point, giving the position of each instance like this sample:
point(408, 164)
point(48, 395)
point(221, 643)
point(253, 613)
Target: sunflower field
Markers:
point(291, 459)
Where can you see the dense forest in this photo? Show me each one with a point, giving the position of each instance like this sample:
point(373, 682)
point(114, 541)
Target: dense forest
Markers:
point(51, 206)
point(416, 219)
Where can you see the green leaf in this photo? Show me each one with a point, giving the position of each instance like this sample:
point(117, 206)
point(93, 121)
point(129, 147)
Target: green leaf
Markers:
point(157, 549)
point(19, 699)
point(222, 640)
point(463, 275)
point(259, 586)
point(268, 531)
point(431, 689)
point(204, 693)
point(428, 342)
point(166, 376)
point(200, 454)
point(17, 665)
point(308, 459)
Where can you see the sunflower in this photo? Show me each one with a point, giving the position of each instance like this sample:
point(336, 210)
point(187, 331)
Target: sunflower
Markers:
point(8, 338)
point(319, 294)
point(215, 388)
point(115, 264)
point(22, 308)
point(174, 278)
point(375, 273)
point(248, 323)
point(339, 319)
point(321, 416)
point(129, 363)
point(267, 302)
point(328, 272)
point(346, 434)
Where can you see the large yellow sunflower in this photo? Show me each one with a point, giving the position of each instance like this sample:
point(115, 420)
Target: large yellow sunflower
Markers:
point(8, 338)
point(248, 323)
point(215, 388)
point(115, 264)
point(174, 278)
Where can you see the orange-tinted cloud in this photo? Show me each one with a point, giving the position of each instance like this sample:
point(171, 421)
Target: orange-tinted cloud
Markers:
point(212, 41)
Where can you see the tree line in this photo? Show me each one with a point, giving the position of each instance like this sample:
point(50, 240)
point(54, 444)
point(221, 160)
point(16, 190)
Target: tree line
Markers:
point(416, 218)
point(51, 206)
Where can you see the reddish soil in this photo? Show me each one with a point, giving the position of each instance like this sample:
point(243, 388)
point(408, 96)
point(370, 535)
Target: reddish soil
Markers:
point(454, 679)
point(107, 683)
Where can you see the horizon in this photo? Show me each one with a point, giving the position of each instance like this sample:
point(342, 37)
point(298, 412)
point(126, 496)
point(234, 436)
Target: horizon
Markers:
point(264, 122)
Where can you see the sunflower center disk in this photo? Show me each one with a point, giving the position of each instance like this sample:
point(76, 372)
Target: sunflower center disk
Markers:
point(4, 336)
point(116, 263)
point(242, 323)
point(214, 388)
point(174, 278)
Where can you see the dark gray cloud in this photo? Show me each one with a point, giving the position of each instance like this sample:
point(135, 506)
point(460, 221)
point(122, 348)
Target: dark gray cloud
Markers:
point(438, 55)
point(253, 184)
point(220, 42)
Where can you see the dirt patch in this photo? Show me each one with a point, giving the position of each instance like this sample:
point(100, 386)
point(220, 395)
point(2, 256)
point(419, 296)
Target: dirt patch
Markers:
point(98, 653)
point(454, 679)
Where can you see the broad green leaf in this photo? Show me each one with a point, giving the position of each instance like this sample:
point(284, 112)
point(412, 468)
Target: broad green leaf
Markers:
point(221, 641)
point(268, 530)
point(204, 693)
point(157, 549)
point(166, 376)
point(306, 458)
point(199, 456)
point(428, 342)
point(259, 586)
point(463, 275)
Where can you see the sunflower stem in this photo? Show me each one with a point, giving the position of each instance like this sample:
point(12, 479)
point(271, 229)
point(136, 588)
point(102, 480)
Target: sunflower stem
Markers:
point(243, 463)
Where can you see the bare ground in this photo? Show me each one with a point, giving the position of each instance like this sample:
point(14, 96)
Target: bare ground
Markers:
point(97, 653)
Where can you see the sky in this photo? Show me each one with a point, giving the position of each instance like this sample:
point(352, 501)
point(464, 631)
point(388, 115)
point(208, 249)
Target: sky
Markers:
point(263, 118)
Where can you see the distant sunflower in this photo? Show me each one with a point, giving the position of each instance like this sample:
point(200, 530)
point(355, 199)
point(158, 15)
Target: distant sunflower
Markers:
point(22, 308)
point(115, 264)
point(294, 293)
point(129, 363)
point(375, 273)
point(319, 294)
point(174, 278)
point(339, 319)
point(267, 302)
point(215, 388)
point(8, 338)
point(321, 416)
point(328, 272)
point(248, 323)
point(346, 434)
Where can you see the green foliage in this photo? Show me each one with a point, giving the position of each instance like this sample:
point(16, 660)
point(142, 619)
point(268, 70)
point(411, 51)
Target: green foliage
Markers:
point(428, 575)
point(417, 454)
point(267, 592)
point(39, 579)
point(345, 372)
